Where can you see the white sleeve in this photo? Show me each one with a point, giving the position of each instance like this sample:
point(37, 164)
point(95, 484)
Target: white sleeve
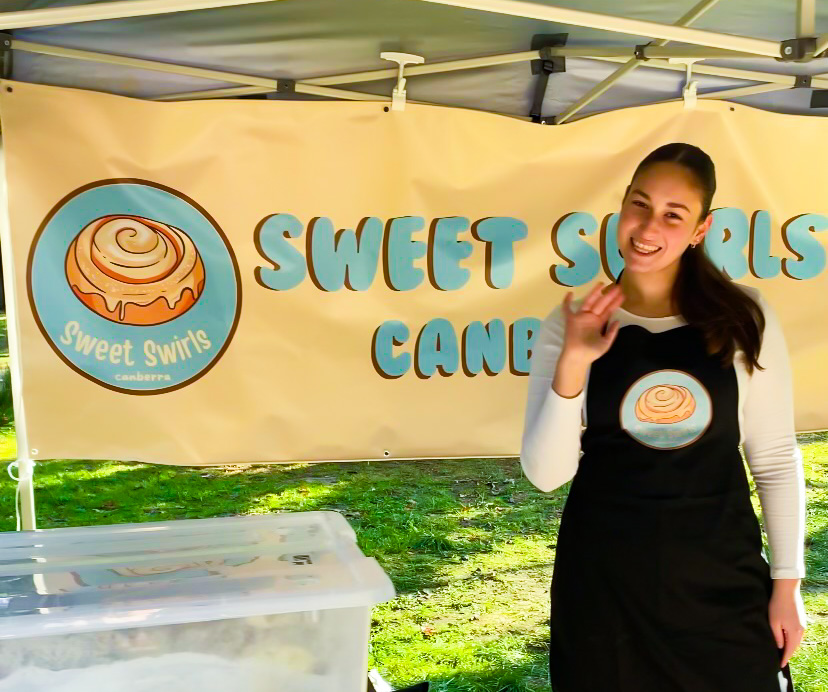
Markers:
point(772, 453)
point(551, 444)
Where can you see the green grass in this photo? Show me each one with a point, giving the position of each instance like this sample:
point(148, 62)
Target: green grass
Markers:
point(6, 414)
point(4, 342)
point(468, 544)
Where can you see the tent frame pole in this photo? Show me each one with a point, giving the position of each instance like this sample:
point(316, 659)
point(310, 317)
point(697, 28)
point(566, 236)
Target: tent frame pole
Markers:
point(317, 85)
point(471, 63)
point(732, 73)
point(468, 64)
point(198, 72)
point(367, 76)
point(726, 72)
point(649, 51)
point(24, 499)
point(805, 18)
point(741, 91)
point(709, 95)
point(631, 64)
point(622, 25)
point(270, 84)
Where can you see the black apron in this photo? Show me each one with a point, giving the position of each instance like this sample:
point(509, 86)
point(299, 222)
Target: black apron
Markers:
point(659, 582)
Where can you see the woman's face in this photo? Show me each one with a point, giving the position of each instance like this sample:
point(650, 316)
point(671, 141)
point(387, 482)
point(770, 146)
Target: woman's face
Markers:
point(660, 218)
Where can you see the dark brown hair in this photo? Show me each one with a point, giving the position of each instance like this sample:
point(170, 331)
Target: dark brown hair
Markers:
point(705, 297)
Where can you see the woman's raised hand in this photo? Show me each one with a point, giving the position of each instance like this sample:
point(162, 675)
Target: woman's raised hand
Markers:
point(587, 336)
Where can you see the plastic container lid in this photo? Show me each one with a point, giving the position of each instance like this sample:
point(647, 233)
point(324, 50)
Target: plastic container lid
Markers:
point(58, 581)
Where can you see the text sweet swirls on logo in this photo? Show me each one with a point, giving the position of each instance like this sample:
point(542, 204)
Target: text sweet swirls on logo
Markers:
point(150, 292)
point(666, 409)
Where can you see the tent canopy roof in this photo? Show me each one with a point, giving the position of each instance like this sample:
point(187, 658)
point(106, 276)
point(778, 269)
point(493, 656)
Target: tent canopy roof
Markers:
point(304, 39)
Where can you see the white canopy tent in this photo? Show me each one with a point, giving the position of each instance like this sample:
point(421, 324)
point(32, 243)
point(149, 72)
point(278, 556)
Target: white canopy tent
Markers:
point(550, 61)
point(761, 53)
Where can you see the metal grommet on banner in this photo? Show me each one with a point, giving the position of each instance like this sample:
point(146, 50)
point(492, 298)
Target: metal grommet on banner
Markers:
point(398, 96)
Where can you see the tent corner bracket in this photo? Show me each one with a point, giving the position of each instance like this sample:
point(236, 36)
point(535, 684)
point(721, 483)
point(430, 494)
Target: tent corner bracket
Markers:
point(547, 65)
point(640, 52)
point(797, 49)
point(285, 86)
point(5, 55)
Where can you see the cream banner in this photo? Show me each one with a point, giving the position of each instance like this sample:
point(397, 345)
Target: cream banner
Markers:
point(246, 281)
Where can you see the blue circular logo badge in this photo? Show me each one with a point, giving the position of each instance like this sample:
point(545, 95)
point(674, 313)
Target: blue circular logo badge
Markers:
point(134, 286)
point(666, 409)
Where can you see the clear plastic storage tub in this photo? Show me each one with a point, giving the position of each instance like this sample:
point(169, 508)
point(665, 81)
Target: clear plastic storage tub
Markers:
point(271, 603)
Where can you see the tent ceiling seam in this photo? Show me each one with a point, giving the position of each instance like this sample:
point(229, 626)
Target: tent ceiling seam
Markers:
point(635, 27)
point(118, 9)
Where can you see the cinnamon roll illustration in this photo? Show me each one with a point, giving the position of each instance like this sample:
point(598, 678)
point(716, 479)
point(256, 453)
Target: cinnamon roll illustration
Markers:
point(665, 404)
point(134, 270)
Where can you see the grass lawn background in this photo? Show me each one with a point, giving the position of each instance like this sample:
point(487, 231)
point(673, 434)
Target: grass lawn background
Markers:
point(469, 545)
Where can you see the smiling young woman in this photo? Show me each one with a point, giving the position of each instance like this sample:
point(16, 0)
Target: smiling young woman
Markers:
point(659, 581)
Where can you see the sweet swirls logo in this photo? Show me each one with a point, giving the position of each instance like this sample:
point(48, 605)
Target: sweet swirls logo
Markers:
point(666, 409)
point(151, 292)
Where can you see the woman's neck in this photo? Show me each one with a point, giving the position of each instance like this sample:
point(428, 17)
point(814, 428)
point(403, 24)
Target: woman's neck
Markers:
point(649, 294)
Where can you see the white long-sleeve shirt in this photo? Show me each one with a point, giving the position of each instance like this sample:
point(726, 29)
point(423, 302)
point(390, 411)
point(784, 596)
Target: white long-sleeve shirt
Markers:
point(551, 445)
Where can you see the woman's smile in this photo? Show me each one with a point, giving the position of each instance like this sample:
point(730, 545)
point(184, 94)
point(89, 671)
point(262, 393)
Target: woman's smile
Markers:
point(644, 248)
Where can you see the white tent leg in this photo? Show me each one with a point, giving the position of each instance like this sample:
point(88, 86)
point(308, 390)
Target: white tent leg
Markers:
point(27, 519)
point(24, 463)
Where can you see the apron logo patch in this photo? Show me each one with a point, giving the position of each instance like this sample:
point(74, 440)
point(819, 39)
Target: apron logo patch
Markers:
point(666, 409)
